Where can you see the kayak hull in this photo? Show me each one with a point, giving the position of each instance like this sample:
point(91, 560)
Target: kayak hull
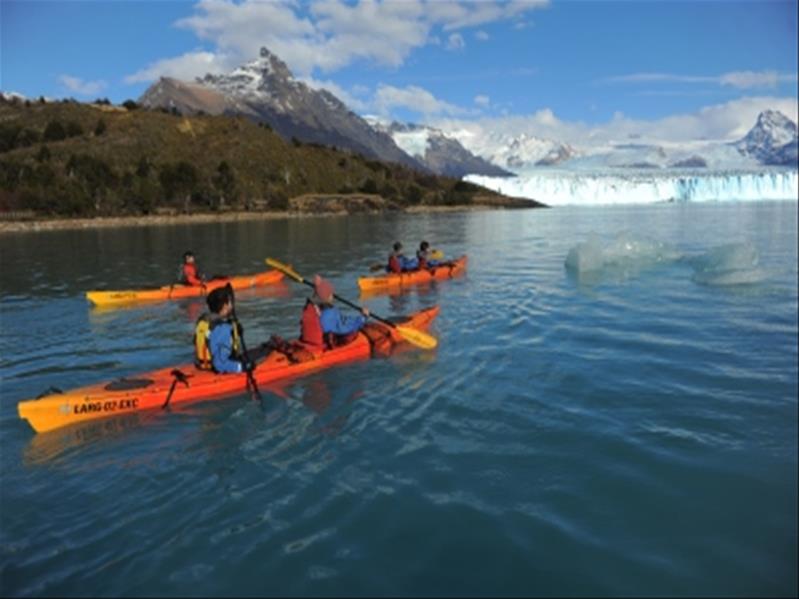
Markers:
point(396, 280)
point(149, 390)
point(177, 291)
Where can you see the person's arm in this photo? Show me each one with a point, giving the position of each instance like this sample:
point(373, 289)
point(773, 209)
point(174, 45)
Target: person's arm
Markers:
point(220, 344)
point(334, 322)
point(409, 263)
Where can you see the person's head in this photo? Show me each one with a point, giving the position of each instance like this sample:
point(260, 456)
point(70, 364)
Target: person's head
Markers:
point(397, 246)
point(219, 301)
point(323, 290)
point(188, 257)
point(423, 246)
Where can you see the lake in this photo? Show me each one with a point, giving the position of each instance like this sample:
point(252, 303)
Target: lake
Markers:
point(611, 410)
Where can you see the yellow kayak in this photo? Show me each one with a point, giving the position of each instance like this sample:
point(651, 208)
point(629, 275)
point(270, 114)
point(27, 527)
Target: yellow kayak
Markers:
point(178, 291)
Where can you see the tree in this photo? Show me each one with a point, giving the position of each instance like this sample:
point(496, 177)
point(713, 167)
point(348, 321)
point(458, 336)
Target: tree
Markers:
point(54, 131)
point(100, 128)
point(225, 183)
point(73, 129)
point(143, 168)
point(130, 105)
point(178, 181)
point(43, 155)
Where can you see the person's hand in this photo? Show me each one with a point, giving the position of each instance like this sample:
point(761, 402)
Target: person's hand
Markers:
point(365, 311)
point(247, 366)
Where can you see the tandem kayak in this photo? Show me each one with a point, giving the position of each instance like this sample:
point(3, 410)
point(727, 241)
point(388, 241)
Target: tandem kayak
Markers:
point(178, 291)
point(187, 383)
point(387, 281)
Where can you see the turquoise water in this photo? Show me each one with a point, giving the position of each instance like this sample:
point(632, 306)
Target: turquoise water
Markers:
point(624, 425)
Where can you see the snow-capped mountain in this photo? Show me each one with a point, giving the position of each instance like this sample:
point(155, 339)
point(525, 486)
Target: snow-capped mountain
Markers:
point(266, 91)
point(773, 140)
point(441, 154)
point(514, 152)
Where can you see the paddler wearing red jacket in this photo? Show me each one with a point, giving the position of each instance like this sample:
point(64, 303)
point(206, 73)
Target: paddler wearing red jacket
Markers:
point(322, 325)
point(189, 274)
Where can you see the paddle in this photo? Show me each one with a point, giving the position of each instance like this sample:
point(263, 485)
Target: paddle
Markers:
point(250, 378)
point(414, 336)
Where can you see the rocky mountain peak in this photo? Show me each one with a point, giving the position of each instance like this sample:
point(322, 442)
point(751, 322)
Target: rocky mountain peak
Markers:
point(773, 140)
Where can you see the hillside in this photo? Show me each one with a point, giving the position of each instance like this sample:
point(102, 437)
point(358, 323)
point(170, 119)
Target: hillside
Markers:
point(72, 159)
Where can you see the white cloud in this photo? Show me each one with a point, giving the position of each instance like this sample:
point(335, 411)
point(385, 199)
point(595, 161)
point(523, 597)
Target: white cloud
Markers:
point(186, 67)
point(737, 79)
point(482, 100)
point(455, 42)
point(719, 122)
point(350, 98)
point(482, 36)
point(326, 35)
point(78, 86)
point(413, 98)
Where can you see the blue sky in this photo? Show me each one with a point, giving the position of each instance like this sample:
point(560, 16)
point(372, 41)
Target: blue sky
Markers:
point(559, 64)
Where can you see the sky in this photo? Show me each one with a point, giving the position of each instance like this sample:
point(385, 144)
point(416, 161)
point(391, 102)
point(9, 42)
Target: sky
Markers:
point(568, 69)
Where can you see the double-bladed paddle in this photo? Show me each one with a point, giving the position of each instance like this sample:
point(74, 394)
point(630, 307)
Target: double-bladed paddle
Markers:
point(414, 336)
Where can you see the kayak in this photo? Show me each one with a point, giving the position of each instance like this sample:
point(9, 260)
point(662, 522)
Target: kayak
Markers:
point(387, 281)
point(187, 383)
point(179, 291)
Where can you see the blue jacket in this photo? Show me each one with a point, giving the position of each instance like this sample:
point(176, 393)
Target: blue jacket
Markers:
point(220, 344)
point(334, 322)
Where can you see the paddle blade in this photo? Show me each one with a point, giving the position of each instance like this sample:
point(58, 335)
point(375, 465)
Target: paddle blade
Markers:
point(376, 267)
point(417, 337)
point(285, 268)
point(436, 255)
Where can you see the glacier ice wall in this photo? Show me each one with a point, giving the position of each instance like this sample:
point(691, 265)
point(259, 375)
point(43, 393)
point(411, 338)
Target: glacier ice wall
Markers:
point(560, 188)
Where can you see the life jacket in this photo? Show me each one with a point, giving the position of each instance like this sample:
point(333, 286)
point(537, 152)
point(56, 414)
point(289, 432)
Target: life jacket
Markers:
point(422, 258)
point(394, 264)
point(189, 275)
point(202, 331)
point(311, 327)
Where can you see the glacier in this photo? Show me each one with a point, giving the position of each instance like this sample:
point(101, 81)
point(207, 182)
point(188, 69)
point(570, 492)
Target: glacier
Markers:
point(563, 187)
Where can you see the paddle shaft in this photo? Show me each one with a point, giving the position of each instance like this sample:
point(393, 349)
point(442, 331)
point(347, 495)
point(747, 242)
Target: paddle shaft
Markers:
point(250, 377)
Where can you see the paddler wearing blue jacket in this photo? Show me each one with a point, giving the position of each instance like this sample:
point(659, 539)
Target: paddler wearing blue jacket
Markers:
point(323, 324)
point(397, 262)
point(217, 339)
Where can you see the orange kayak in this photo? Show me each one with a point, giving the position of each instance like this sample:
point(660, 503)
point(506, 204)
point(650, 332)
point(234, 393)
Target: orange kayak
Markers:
point(150, 390)
point(178, 291)
point(387, 281)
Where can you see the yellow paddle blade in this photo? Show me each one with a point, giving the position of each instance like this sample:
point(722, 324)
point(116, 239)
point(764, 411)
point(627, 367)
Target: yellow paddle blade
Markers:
point(417, 337)
point(285, 268)
point(436, 255)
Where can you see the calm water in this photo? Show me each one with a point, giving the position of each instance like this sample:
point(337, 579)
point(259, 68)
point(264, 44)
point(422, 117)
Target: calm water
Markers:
point(629, 430)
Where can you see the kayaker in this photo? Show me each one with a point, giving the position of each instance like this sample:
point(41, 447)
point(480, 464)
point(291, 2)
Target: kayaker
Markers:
point(323, 326)
point(397, 262)
point(189, 274)
point(217, 339)
point(422, 256)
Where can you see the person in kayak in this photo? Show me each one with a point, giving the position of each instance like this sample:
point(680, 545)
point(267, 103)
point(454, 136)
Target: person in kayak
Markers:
point(397, 262)
point(422, 256)
point(188, 274)
point(322, 325)
point(217, 339)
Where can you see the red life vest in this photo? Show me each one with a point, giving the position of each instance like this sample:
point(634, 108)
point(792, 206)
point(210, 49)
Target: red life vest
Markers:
point(394, 264)
point(311, 327)
point(190, 275)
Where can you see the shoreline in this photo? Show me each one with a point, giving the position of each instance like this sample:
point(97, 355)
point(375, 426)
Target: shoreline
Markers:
point(63, 224)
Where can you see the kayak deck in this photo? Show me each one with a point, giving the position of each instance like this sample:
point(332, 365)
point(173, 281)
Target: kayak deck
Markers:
point(150, 390)
point(393, 280)
point(178, 291)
